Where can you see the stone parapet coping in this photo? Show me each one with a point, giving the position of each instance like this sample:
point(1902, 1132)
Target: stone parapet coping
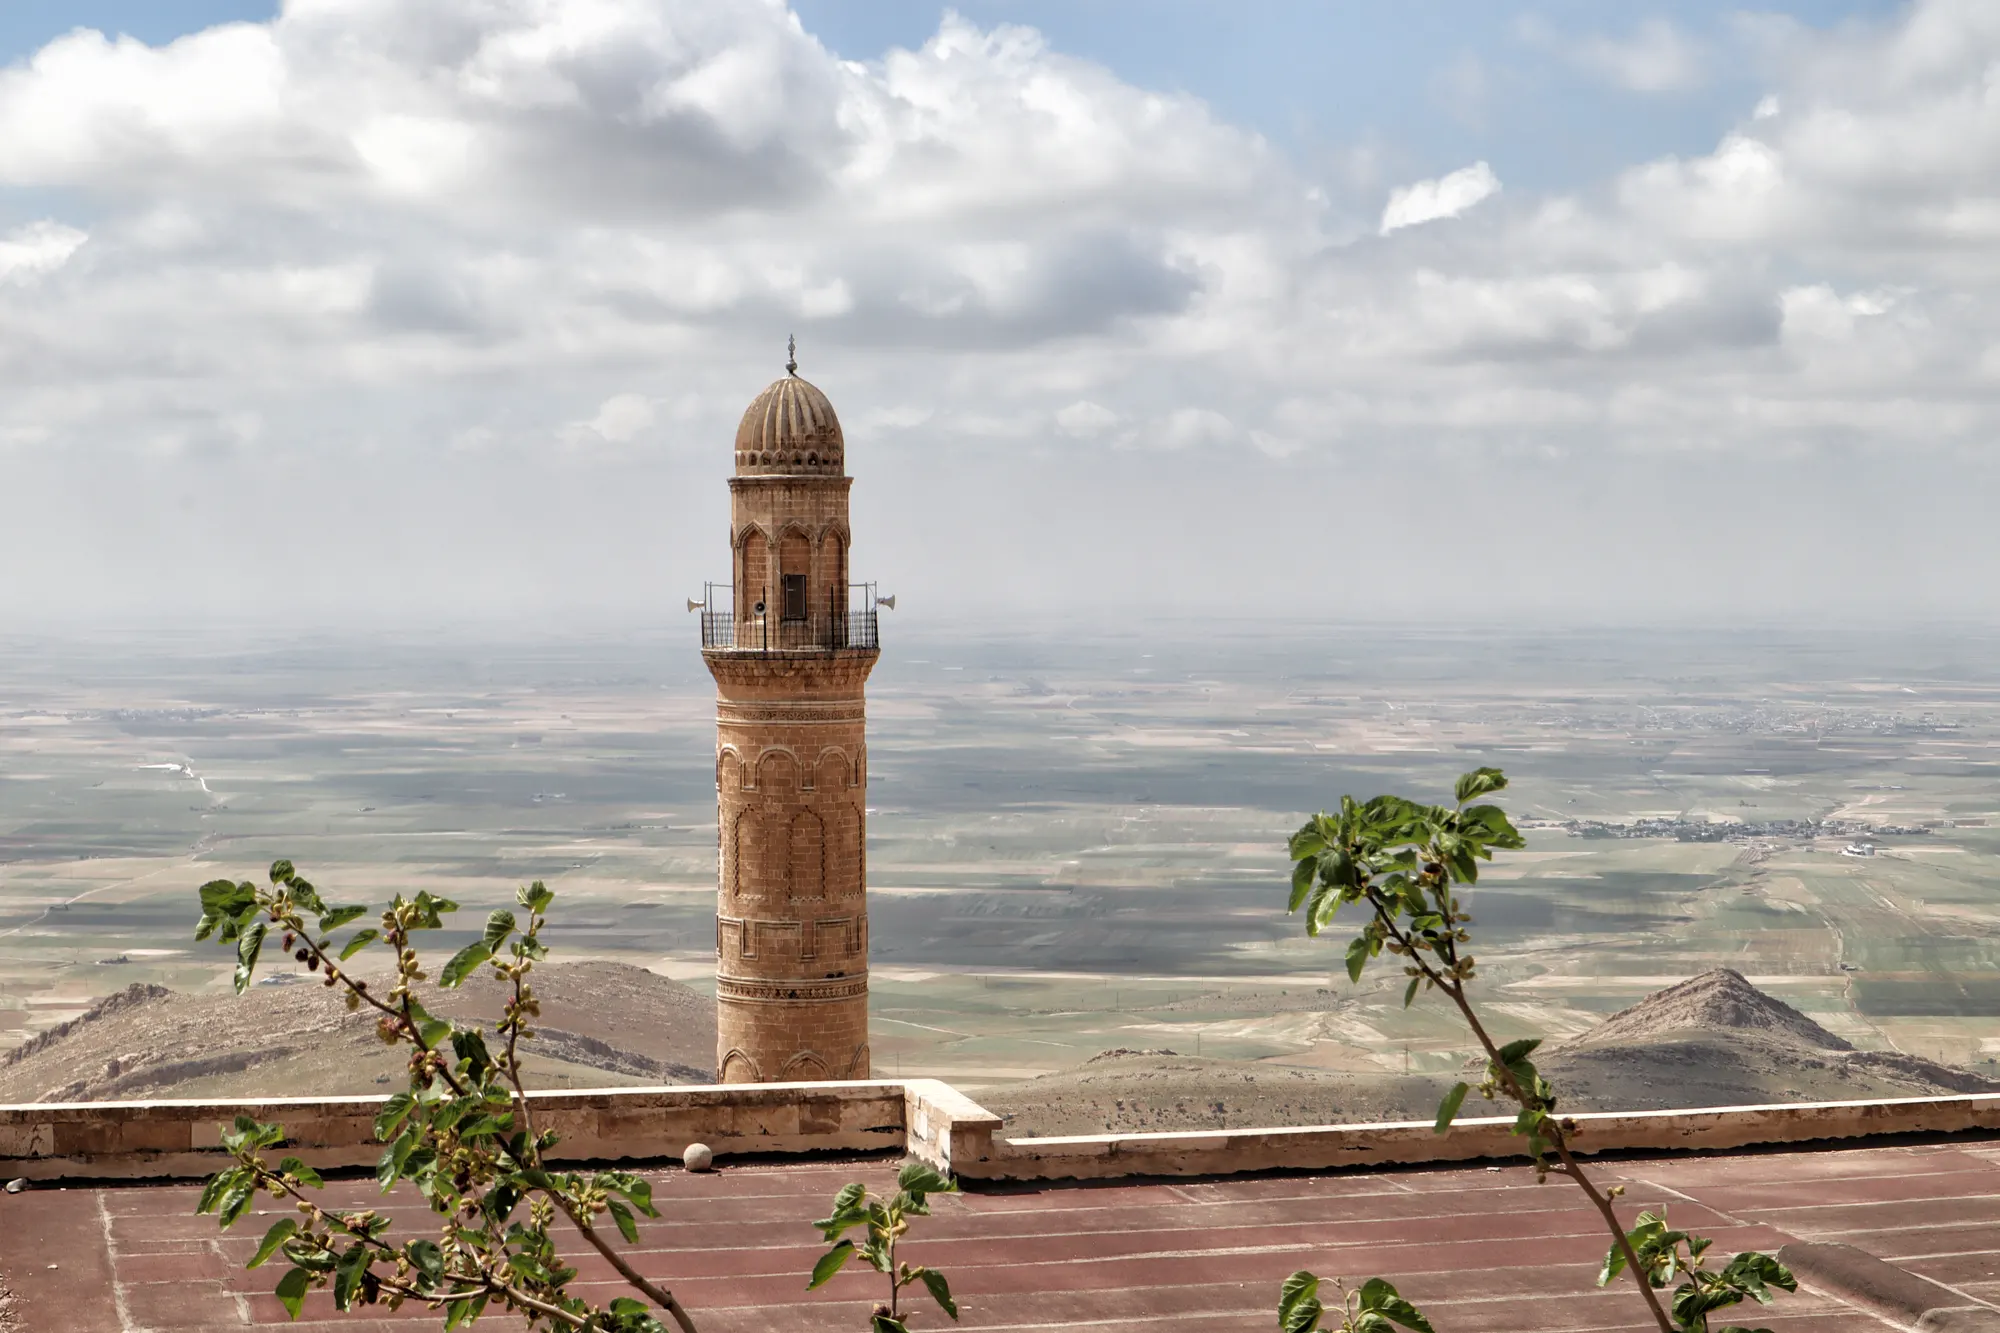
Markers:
point(1319, 1147)
point(923, 1117)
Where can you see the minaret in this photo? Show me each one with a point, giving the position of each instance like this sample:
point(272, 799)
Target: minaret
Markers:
point(790, 645)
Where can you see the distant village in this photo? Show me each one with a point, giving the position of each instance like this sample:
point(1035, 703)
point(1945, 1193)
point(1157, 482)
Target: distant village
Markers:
point(1705, 830)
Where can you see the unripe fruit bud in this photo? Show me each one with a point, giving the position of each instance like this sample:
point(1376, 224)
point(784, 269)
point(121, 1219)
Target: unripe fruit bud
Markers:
point(290, 940)
point(302, 955)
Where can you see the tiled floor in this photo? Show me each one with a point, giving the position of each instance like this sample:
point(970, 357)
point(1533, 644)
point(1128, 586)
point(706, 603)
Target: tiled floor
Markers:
point(1472, 1247)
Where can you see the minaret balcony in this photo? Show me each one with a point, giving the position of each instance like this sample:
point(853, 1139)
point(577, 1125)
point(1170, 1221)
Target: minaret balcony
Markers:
point(763, 627)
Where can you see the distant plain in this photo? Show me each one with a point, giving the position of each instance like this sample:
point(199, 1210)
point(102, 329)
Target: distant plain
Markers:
point(1075, 835)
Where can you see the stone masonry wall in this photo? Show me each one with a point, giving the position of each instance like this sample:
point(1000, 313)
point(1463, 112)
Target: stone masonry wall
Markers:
point(791, 903)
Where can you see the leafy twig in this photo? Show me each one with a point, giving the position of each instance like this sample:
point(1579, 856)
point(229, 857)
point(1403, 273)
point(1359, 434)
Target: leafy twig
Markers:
point(885, 1223)
point(1404, 861)
point(463, 1132)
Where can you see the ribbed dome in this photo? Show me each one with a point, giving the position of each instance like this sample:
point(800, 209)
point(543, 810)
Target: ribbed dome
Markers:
point(789, 428)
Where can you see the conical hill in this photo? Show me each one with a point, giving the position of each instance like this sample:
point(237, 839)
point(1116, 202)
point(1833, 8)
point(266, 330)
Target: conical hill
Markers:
point(1718, 1001)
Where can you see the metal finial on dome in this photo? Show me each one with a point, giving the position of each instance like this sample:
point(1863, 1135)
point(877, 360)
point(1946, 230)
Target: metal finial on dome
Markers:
point(791, 355)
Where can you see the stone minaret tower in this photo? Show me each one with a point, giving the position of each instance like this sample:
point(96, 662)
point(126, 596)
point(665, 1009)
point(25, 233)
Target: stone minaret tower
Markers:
point(790, 645)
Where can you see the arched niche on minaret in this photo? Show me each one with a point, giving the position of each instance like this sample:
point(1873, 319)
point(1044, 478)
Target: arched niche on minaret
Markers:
point(793, 586)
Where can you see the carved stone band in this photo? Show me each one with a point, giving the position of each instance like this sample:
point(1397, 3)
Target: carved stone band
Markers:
point(770, 992)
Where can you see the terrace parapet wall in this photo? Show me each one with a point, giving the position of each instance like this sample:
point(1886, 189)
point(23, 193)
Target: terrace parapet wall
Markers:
point(924, 1118)
point(137, 1140)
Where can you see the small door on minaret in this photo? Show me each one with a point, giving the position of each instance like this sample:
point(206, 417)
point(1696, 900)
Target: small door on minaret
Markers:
point(795, 597)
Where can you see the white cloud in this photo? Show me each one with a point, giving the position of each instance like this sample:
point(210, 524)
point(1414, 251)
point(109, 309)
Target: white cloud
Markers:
point(1446, 197)
point(422, 248)
point(1656, 57)
point(1187, 427)
point(622, 417)
point(1085, 420)
point(42, 247)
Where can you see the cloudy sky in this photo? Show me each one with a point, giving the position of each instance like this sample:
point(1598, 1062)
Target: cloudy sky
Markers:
point(379, 312)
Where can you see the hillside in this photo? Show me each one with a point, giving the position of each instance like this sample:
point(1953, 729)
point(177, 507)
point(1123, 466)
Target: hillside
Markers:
point(1713, 1040)
point(603, 1024)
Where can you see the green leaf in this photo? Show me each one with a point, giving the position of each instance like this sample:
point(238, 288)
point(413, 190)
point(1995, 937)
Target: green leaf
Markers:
point(281, 871)
point(1299, 1308)
point(1302, 883)
point(940, 1291)
point(1514, 1050)
point(1478, 782)
point(361, 940)
point(622, 1215)
point(337, 917)
point(1308, 842)
point(281, 1230)
point(292, 1288)
point(1359, 950)
point(463, 962)
point(830, 1263)
point(498, 927)
point(347, 1274)
point(1410, 991)
point(305, 895)
point(427, 1259)
point(430, 1031)
point(223, 898)
point(300, 1172)
point(1644, 1239)
point(1761, 1268)
point(1490, 825)
point(391, 1116)
point(1323, 907)
point(247, 949)
point(211, 1193)
point(473, 1057)
point(464, 1311)
point(1377, 1295)
point(1448, 1108)
point(389, 1166)
point(248, 1135)
point(640, 1191)
point(236, 1200)
point(921, 1178)
point(536, 898)
point(848, 1211)
point(882, 1323)
point(308, 1255)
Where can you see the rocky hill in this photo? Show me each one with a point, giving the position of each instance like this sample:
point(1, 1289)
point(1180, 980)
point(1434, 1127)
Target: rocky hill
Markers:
point(1716, 1040)
point(1713, 1040)
point(603, 1024)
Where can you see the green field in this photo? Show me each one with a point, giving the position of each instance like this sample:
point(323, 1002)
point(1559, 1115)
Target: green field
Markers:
point(1075, 838)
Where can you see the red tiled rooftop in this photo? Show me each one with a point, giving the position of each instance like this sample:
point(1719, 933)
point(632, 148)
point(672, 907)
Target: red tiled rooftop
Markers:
point(1467, 1244)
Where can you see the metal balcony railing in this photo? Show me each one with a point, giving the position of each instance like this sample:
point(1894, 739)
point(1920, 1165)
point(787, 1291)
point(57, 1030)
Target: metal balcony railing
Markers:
point(769, 630)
